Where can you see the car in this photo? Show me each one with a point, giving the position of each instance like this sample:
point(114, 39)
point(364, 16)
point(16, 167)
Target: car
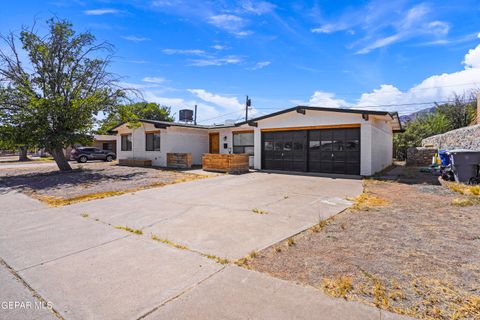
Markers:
point(83, 154)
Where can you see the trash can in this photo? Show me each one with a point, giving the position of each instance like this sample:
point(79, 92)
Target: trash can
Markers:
point(444, 157)
point(464, 164)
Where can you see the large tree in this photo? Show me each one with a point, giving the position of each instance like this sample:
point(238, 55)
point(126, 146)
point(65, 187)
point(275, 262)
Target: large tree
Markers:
point(59, 88)
point(134, 112)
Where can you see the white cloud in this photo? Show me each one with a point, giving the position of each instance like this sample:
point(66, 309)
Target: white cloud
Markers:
point(258, 7)
point(154, 80)
point(192, 52)
point(323, 99)
point(330, 28)
point(135, 38)
point(326, 100)
point(214, 61)
point(230, 23)
point(100, 12)
point(219, 47)
point(435, 88)
point(204, 110)
point(382, 24)
point(260, 65)
point(387, 97)
point(229, 103)
point(472, 58)
point(382, 42)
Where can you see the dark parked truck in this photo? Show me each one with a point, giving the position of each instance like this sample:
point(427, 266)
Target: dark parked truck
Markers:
point(465, 165)
point(83, 154)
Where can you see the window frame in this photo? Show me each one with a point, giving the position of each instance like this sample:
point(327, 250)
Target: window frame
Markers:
point(153, 149)
point(128, 146)
point(243, 146)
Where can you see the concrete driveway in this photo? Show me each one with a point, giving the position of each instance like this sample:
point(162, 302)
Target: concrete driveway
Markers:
point(74, 259)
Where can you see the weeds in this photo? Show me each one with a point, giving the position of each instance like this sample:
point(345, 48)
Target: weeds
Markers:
point(366, 201)
point(320, 225)
point(168, 242)
point(290, 242)
point(245, 261)
point(216, 259)
point(259, 211)
point(135, 231)
point(465, 202)
point(338, 287)
point(84, 215)
point(464, 189)
point(58, 201)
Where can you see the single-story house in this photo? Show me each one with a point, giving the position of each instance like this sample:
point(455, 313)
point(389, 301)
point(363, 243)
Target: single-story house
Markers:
point(105, 142)
point(302, 138)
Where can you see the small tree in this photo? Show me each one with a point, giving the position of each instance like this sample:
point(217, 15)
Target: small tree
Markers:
point(134, 112)
point(60, 89)
point(461, 112)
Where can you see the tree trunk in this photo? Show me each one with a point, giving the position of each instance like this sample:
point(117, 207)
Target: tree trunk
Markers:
point(60, 159)
point(22, 154)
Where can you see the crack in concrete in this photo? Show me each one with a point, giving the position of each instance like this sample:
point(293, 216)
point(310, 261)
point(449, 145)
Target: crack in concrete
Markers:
point(181, 293)
point(34, 293)
point(73, 253)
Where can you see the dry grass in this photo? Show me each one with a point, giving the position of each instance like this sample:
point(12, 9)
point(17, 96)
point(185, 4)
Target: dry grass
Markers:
point(321, 224)
point(290, 242)
point(59, 201)
point(169, 243)
point(465, 202)
point(245, 261)
point(216, 258)
point(366, 201)
point(410, 248)
point(85, 215)
point(338, 287)
point(463, 188)
point(131, 230)
point(259, 211)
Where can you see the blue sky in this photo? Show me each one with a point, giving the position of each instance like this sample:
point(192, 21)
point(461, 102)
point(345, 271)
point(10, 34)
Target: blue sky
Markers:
point(384, 55)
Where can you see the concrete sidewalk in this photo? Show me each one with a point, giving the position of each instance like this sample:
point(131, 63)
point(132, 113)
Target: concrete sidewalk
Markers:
point(88, 269)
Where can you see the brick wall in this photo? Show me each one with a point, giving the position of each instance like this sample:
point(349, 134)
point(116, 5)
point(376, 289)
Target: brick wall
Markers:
point(420, 156)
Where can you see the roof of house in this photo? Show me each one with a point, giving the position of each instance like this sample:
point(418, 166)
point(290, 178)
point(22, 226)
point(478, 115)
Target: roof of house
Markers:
point(395, 120)
point(396, 124)
point(104, 137)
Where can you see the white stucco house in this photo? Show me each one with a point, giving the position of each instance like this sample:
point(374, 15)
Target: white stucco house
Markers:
point(302, 138)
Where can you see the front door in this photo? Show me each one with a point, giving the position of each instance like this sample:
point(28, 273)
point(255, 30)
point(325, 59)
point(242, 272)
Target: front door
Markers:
point(214, 142)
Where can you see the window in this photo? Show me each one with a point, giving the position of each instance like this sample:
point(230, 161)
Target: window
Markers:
point(107, 146)
point(152, 141)
point(243, 142)
point(127, 142)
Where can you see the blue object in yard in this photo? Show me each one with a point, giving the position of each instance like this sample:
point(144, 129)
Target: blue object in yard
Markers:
point(444, 157)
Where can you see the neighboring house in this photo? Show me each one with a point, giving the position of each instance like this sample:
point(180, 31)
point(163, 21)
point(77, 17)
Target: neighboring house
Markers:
point(105, 142)
point(100, 141)
point(306, 139)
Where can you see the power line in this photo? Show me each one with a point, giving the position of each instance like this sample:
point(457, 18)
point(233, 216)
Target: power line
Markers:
point(345, 107)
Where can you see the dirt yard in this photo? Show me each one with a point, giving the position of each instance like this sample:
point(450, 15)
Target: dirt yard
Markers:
point(87, 181)
point(409, 245)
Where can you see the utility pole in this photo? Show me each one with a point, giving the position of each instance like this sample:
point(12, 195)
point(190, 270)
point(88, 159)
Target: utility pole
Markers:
point(248, 103)
point(478, 108)
point(195, 116)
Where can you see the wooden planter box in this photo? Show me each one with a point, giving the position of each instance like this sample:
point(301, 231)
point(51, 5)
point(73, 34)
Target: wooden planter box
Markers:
point(231, 163)
point(135, 162)
point(179, 160)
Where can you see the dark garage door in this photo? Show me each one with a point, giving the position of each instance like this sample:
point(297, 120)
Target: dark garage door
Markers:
point(324, 151)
